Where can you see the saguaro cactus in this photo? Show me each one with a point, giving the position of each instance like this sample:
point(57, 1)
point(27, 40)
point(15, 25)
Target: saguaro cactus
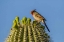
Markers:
point(27, 31)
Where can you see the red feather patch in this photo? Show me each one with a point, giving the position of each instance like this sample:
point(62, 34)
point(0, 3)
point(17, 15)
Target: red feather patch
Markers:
point(32, 12)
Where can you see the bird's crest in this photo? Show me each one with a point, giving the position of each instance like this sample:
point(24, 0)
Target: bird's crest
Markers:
point(33, 11)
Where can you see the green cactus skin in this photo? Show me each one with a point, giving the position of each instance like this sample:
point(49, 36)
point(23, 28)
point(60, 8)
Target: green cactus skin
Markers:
point(27, 31)
point(17, 19)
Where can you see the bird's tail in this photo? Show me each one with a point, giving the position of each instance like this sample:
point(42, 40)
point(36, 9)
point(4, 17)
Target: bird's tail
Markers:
point(46, 26)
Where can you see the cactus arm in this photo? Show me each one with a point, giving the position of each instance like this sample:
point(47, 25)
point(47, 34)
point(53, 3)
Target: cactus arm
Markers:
point(24, 20)
point(21, 34)
point(15, 25)
point(28, 21)
point(17, 19)
point(25, 34)
point(30, 34)
point(35, 34)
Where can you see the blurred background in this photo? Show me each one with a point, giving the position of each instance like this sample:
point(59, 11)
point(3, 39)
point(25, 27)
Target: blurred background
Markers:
point(53, 11)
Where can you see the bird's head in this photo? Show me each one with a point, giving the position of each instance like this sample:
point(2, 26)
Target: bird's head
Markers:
point(33, 11)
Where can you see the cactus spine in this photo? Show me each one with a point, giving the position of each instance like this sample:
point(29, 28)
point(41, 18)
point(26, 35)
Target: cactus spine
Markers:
point(27, 31)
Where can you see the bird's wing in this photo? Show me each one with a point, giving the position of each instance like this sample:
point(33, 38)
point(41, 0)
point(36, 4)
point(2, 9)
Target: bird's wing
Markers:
point(40, 16)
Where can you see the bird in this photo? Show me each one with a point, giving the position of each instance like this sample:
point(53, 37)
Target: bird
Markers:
point(39, 18)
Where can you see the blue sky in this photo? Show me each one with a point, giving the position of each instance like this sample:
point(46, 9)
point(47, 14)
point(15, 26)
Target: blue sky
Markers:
point(53, 11)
